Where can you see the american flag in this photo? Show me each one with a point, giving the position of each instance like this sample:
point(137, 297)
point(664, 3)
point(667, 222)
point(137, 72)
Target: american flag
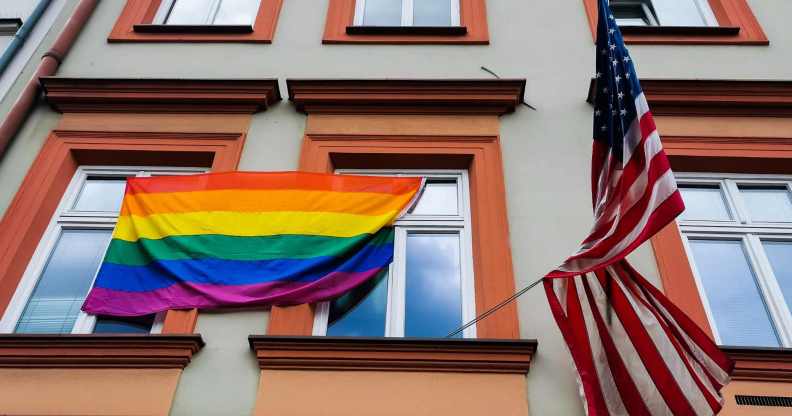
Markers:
point(636, 353)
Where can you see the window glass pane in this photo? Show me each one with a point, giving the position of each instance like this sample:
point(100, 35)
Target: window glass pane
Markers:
point(382, 13)
point(237, 12)
point(434, 285)
point(703, 203)
point(780, 255)
point(766, 204)
point(189, 12)
point(432, 12)
point(632, 13)
point(679, 12)
point(101, 194)
point(132, 324)
point(734, 298)
point(361, 312)
point(64, 283)
point(438, 198)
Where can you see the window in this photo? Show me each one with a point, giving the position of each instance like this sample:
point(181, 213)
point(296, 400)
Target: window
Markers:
point(207, 12)
point(737, 230)
point(197, 21)
point(687, 22)
point(431, 273)
point(61, 272)
point(407, 13)
point(8, 29)
point(663, 13)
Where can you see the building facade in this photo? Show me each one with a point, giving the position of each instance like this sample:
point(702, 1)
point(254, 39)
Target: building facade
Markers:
point(410, 87)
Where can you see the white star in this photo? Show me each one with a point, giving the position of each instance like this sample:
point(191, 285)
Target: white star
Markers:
point(621, 95)
point(615, 62)
point(611, 17)
point(612, 46)
point(597, 113)
point(618, 78)
point(627, 75)
point(611, 31)
point(598, 75)
point(623, 112)
point(626, 59)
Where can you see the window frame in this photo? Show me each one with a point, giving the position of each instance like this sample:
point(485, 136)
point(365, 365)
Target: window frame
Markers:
point(137, 23)
point(735, 25)
point(750, 234)
point(420, 224)
point(65, 218)
point(166, 8)
point(407, 13)
point(341, 27)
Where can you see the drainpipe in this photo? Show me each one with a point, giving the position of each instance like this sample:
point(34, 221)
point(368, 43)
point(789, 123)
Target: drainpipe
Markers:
point(22, 34)
point(50, 62)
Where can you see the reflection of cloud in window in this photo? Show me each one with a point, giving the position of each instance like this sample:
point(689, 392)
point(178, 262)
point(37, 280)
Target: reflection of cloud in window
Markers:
point(433, 284)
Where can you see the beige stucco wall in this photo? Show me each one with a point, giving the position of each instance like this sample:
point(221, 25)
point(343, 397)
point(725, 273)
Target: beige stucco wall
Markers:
point(546, 153)
point(67, 391)
point(342, 393)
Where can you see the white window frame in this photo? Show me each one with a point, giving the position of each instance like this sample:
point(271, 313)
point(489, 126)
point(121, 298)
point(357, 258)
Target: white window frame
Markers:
point(406, 14)
point(703, 7)
point(161, 17)
point(750, 234)
point(409, 224)
point(65, 218)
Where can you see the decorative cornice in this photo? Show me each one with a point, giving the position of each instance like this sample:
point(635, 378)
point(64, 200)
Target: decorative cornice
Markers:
point(98, 351)
point(761, 364)
point(670, 97)
point(159, 95)
point(424, 96)
point(393, 354)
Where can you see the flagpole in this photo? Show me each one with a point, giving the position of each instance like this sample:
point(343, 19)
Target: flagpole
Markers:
point(495, 308)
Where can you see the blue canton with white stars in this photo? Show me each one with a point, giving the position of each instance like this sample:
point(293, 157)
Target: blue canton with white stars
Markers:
point(616, 83)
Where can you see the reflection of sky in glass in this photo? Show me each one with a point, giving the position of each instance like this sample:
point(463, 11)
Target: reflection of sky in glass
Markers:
point(101, 194)
point(367, 317)
point(236, 12)
point(735, 302)
point(437, 198)
point(189, 12)
point(704, 203)
point(382, 13)
point(767, 204)
point(678, 13)
point(780, 255)
point(434, 293)
point(432, 12)
point(64, 283)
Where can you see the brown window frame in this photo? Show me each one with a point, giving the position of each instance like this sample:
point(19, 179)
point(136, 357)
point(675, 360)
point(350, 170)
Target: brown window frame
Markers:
point(737, 26)
point(134, 24)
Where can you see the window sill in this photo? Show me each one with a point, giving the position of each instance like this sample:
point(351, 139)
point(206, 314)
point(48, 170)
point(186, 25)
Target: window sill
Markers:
point(393, 354)
point(408, 30)
point(193, 29)
point(711, 31)
point(761, 364)
point(98, 351)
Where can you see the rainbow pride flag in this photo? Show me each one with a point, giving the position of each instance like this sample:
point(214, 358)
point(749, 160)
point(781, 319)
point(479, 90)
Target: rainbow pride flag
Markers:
point(245, 238)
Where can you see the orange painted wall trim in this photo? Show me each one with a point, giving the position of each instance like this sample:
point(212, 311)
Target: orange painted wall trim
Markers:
point(730, 13)
point(353, 141)
point(143, 11)
point(63, 152)
point(341, 13)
